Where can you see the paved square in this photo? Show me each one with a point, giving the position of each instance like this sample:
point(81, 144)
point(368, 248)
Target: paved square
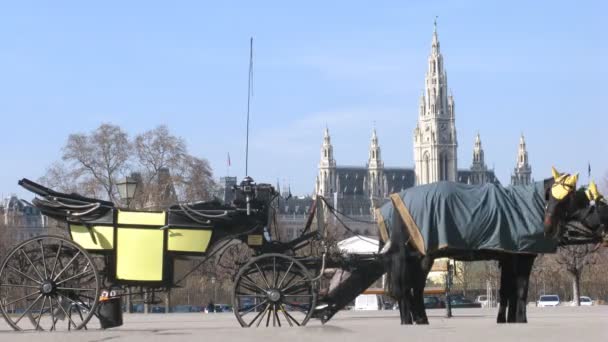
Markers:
point(547, 324)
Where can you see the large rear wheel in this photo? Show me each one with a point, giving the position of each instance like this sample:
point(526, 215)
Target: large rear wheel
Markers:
point(273, 288)
point(48, 283)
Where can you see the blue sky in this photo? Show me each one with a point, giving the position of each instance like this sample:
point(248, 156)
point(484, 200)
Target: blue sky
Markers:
point(519, 66)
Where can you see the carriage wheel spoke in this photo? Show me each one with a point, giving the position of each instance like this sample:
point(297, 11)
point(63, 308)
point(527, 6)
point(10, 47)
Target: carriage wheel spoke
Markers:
point(23, 274)
point(32, 264)
point(263, 275)
point(269, 314)
point(241, 294)
point(293, 276)
point(75, 276)
point(66, 314)
point(250, 288)
point(294, 284)
point(20, 285)
point(253, 308)
point(276, 315)
point(53, 320)
point(261, 314)
point(285, 276)
point(40, 315)
point(46, 275)
point(56, 258)
point(75, 289)
point(283, 310)
point(66, 266)
point(28, 308)
point(22, 298)
point(290, 316)
point(254, 283)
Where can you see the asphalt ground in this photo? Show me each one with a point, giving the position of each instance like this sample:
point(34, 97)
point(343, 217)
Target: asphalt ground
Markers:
point(545, 324)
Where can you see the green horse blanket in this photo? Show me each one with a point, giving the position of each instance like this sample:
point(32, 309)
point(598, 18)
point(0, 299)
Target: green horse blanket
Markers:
point(462, 217)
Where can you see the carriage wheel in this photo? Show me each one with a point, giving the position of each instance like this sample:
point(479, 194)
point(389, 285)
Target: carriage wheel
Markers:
point(273, 287)
point(48, 283)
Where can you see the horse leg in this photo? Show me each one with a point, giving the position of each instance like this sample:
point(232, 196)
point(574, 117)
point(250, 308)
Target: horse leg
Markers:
point(504, 291)
point(524, 265)
point(407, 300)
point(422, 268)
point(512, 293)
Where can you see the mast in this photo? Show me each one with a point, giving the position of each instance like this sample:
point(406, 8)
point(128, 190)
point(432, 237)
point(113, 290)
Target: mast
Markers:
point(249, 94)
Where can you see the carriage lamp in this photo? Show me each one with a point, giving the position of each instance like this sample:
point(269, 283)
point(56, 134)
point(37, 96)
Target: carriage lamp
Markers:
point(126, 189)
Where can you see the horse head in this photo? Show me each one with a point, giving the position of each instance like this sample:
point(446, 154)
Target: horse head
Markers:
point(591, 222)
point(575, 216)
point(560, 201)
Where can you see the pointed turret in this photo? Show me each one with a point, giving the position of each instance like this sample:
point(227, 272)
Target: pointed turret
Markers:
point(326, 183)
point(522, 174)
point(478, 167)
point(375, 169)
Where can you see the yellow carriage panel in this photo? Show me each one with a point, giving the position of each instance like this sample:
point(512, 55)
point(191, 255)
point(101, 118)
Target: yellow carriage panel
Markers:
point(140, 246)
point(139, 254)
point(104, 237)
point(188, 240)
point(141, 218)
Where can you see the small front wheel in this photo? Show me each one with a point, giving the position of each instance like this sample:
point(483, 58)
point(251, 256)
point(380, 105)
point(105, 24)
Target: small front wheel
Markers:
point(273, 287)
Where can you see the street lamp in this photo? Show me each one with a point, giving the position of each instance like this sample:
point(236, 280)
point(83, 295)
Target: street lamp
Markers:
point(126, 189)
point(213, 284)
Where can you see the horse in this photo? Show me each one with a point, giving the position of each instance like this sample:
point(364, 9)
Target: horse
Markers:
point(525, 221)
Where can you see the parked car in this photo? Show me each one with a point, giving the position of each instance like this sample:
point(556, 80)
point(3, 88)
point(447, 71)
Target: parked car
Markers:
point(483, 300)
point(548, 300)
point(223, 308)
point(460, 301)
point(433, 302)
point(585, 301)
point(367, 302)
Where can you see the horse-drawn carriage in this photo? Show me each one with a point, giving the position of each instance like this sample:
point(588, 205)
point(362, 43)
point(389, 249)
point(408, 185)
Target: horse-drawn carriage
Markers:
point(54, 283)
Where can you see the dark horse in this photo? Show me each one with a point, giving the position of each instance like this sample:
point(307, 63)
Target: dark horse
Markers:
point(557, 206)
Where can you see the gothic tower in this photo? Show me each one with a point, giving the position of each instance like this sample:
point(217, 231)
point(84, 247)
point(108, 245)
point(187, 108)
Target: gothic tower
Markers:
point(435, 142)
point(326, 179)
point(522, 174)
point(478, 167)
point(375, 170)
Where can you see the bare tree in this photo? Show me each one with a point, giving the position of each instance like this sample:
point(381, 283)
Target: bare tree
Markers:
point(99, 158)
point(575, 259)
point(166, 173)
point(193, 179)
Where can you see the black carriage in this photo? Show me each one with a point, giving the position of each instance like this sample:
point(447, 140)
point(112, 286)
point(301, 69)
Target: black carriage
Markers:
point(54, 283)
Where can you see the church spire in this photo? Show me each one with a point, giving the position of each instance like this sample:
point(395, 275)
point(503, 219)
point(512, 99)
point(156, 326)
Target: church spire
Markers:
point(435, 44)
point(326, 182)
point(375, 169)
point(435, 143)
point(478, 167)
point(523, 171)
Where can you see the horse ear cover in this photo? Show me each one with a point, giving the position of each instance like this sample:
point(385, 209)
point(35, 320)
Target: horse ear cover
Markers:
point(592, 193)
point(554, 173)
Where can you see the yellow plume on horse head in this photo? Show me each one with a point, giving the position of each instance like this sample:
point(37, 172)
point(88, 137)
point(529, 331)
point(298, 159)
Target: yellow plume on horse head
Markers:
point(564, 184)
point(592, 193)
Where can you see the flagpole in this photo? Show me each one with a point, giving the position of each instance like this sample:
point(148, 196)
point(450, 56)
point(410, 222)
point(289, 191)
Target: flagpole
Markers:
point(249, 90)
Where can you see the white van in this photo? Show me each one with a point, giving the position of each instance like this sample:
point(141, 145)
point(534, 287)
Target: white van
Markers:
point(367, 302)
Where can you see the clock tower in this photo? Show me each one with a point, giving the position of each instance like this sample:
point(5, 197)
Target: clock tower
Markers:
point(435, 142)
